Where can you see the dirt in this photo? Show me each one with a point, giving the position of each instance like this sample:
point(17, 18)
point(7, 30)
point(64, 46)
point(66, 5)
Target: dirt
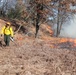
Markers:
point(35, 56)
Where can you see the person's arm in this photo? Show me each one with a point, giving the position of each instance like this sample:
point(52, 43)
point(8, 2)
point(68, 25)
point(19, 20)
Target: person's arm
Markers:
point(2, 31)
point(11, 32)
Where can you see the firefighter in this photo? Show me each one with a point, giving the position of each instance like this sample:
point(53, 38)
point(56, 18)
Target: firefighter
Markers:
point(7, 32)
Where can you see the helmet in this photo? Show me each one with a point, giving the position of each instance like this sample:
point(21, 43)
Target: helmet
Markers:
point(8, 23)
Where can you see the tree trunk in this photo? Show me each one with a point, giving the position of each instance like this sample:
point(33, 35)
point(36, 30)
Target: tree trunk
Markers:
point(37, 24)
point(38, 17)
point(58, 23)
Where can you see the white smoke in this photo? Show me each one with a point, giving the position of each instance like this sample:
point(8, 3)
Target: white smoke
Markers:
point(69, 28)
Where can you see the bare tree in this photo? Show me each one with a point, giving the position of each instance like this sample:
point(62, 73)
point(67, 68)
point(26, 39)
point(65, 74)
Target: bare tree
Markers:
point(38, 11)
point(60, 11)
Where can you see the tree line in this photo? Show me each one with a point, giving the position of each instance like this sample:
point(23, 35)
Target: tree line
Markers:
point(39, 11)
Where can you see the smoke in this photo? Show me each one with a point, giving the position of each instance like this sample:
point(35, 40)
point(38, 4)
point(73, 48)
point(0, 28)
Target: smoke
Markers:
point(69, 28)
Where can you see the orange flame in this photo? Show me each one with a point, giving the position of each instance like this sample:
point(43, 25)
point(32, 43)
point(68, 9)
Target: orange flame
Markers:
point(50, 30)
point(63, 42)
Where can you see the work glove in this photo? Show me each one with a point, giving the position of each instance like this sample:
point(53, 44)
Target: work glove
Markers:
point(12, 37)
point(1, 35)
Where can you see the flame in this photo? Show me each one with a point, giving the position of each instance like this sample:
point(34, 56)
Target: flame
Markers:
point(55, 42)
point(49, 29)
point(20, 38)
point(73, 41)
point(61, 42)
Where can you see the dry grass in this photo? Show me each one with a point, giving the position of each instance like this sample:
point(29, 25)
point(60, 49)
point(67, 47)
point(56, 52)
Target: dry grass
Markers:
point(30, 56)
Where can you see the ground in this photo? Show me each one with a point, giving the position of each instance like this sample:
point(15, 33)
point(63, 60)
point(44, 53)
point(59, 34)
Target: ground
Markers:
point(35, 56)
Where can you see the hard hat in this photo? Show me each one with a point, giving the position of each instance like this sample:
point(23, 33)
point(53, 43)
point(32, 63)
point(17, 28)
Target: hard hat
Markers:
point(8, 23)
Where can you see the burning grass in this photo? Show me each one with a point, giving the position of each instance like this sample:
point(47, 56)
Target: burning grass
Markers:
point(67, 43)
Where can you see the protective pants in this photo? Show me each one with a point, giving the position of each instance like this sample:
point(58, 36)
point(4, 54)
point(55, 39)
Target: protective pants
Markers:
point(7, 39)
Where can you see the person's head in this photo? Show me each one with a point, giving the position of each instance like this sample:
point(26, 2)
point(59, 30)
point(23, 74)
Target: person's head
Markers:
point(7, 24)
